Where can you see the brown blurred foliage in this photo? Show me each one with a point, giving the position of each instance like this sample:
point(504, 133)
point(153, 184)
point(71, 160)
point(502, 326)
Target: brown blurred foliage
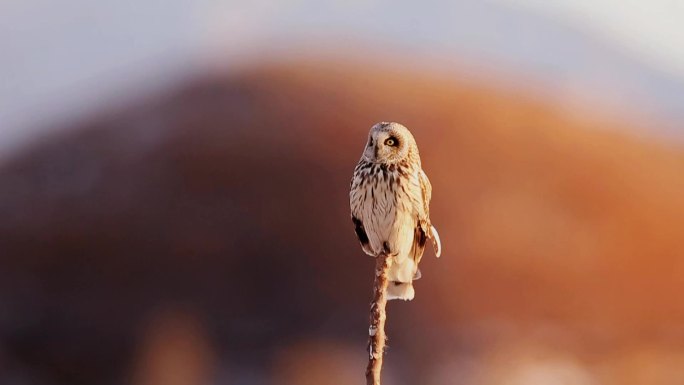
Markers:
point(174, 351)
point(228, 196)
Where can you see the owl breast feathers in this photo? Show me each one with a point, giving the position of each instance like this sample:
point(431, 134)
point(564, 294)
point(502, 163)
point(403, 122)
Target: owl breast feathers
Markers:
point(389, 199)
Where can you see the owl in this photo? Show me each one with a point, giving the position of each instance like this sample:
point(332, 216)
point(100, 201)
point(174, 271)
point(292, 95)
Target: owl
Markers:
point(389, 198)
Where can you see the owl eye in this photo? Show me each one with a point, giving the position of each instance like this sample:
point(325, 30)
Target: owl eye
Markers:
point(391, 142)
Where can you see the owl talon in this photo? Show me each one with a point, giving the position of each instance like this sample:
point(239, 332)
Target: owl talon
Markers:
point(387, 251)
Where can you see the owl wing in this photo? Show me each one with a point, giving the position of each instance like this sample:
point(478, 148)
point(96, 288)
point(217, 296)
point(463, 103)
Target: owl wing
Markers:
point(424, 223)
point(420, 217)
point(355, 202)
point(361, 234)
point(426, 190)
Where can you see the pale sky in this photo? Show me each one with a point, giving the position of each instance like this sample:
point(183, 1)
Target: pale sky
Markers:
point(652, 29)
point(67, 58)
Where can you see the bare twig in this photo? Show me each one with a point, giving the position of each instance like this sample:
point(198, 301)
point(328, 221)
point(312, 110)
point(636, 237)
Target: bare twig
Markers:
point(376, 331)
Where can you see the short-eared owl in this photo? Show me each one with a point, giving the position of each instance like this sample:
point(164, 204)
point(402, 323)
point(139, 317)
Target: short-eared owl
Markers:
point(389, 199)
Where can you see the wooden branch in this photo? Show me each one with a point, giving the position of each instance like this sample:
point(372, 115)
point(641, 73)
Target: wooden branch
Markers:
point(376, 331)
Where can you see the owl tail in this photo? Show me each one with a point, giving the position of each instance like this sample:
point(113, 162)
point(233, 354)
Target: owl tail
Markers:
point(401, 276)
point(400, 290)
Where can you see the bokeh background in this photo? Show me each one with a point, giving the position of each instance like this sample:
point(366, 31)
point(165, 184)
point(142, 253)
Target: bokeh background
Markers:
point(174, 190)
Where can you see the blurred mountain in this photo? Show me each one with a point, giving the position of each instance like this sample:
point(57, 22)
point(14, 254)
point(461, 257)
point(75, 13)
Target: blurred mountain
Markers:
point(215, 218)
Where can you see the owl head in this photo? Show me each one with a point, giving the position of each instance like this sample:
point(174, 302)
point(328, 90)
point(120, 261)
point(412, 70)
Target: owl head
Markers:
point(390, 142)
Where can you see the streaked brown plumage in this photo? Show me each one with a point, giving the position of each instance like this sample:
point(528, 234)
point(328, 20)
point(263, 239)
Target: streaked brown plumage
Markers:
point(389, 198)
